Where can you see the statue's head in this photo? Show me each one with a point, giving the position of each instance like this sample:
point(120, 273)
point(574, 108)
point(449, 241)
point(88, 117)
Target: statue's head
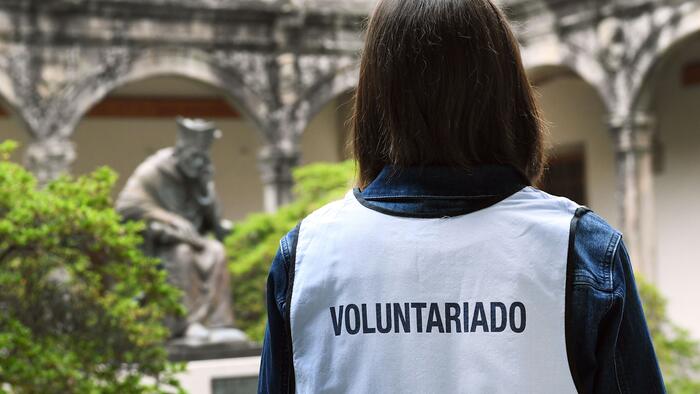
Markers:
point(194, 140)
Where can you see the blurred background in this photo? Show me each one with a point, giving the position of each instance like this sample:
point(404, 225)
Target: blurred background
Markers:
point(90, 83)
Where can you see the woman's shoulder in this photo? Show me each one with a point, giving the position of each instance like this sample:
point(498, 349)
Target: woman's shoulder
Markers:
point(329, 210)
point(593, 242)
point(593, 245)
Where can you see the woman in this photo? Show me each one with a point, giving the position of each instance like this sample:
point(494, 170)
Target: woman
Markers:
point(445, 270)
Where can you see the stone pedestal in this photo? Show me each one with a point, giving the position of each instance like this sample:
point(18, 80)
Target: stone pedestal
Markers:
point(221, 376)
point(217, 367)
point(182, 350)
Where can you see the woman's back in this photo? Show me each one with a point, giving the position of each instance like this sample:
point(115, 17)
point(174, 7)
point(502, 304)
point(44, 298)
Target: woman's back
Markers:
point(386, 303)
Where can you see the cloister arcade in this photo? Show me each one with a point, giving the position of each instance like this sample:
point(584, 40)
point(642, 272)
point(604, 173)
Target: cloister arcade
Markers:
point(618, 84)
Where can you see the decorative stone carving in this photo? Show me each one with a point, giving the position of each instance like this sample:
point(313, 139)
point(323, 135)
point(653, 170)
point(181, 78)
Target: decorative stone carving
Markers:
point(612, 38)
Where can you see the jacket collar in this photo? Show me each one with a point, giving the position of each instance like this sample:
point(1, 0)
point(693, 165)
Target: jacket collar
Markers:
point(436, 191)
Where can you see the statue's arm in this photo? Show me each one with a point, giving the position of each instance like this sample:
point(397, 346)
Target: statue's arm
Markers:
point(213, 221)
point(136, 203)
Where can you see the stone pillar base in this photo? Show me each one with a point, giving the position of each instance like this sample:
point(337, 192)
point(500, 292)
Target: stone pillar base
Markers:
point(276, 163)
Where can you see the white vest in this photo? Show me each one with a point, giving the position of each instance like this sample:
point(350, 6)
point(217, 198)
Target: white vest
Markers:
point(465, 304)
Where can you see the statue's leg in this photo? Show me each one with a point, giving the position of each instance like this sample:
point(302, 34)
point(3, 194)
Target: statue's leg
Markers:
point(183, 273)
point(217, 283)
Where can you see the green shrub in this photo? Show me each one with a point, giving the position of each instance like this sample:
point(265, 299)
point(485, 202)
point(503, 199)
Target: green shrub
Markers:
point(254, 242)
point(81, 307)
point(678, 353)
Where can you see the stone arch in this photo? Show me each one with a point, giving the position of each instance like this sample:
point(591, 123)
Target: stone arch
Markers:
point(10, 103)
point(312, 102)
point(682, 26)
point(185, 65)
point(321, 93)
point(7, 91)
point(551, 56)
point(14, 124)
point(542, 73)
point(124, 141)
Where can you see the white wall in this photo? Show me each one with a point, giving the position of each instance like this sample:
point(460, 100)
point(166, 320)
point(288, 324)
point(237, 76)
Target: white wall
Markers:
point(576, 115)
point(677, 189)
point(326, 135)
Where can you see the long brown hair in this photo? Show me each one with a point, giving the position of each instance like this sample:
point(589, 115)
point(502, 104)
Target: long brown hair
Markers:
point(442, 83)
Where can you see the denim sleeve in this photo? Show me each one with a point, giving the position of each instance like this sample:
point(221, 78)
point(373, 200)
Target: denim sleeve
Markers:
point(276, 372)
point(635, 360)
point(608, 341)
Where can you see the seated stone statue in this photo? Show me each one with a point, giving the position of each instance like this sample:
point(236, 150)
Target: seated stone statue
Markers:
point(173, 192)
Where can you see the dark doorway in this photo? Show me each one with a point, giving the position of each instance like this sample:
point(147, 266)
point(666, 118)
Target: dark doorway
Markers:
point(566, 173)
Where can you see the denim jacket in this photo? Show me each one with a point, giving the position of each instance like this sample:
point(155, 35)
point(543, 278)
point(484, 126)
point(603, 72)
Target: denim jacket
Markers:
point(608, 344)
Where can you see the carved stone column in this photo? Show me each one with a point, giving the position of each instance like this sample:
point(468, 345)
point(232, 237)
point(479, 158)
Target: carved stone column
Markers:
point(49, 157)
point(276, 163)
point(634, 157)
